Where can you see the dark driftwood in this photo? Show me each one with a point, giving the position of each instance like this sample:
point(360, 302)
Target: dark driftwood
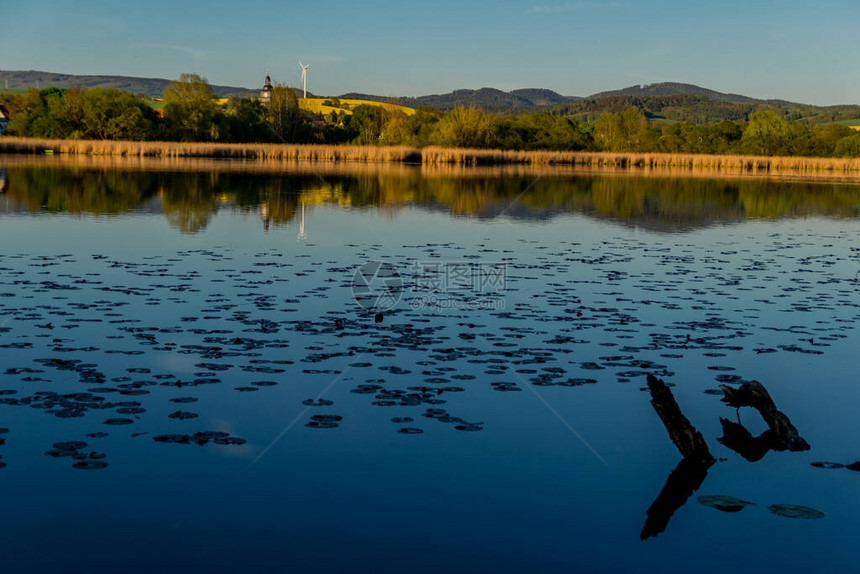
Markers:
point(690, 472)
point(753, 394)
point(739, 439)
point(681, 484)
point(689, 441)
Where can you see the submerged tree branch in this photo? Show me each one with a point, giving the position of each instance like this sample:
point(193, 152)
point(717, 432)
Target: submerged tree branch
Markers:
point(753, 394)
point(684, 435)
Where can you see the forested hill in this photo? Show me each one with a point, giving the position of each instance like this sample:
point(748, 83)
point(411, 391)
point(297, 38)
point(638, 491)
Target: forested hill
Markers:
point(490, 99)
point(698, 109)
point(152, 87)
point(677, 89)
point(668, 101)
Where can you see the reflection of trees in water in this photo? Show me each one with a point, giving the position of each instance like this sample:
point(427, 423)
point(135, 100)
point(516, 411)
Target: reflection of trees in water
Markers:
point(190, 199)
point(76, 190)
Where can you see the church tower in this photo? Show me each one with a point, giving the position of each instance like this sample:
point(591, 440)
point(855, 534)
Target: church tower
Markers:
point(266, 92)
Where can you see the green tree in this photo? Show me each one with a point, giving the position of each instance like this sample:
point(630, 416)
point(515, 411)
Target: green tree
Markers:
point(190, 110)
point(849, 146)
point(609, 132)
point(467, 127)
point(765, 133)
point(284, 114)
point(634, 126)
point(367, 123)
point(108, 114)
point(246, 119)
point(396, 130)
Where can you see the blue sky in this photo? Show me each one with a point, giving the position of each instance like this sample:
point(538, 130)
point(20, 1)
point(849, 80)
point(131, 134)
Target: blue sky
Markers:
point(801, 51)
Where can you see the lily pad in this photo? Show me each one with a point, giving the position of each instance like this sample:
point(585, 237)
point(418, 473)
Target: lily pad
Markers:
point(794, 511)
point(723, 502)
point(828, 465)
point(90, 464)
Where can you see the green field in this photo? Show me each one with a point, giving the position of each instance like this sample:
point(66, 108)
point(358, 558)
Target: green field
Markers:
point(855, 123)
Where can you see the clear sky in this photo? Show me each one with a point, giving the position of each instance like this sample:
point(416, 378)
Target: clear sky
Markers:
point(806, 51)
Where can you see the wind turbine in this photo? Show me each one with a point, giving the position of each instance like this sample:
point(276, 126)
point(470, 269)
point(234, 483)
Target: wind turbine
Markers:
point(305, 78)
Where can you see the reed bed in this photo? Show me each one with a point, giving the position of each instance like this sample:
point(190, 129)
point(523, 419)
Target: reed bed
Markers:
point(682, 164)
point(645, 161)
point(212, 150)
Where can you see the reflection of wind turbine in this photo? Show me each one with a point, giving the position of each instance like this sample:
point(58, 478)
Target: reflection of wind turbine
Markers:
point(305, 78)
point(265, 216)
point(302, 225)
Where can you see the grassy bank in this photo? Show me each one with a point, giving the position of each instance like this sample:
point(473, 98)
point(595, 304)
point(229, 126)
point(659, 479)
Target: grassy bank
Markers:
point(434, 156)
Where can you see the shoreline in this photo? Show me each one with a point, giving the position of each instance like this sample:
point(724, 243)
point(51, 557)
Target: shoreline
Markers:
point(632, 163)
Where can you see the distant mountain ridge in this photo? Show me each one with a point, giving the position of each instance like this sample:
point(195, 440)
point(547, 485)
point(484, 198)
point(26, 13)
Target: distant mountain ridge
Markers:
point(678, 89)
point(152, 87)
point(490, 99)
point(516, 101)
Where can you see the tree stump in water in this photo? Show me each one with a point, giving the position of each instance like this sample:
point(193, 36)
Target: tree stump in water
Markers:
point(690, 442)
point(753, 394)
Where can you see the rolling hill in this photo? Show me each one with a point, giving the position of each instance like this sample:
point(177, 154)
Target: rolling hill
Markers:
point(490, 99)
point(677, 89)
point(666, 101)
point(152, 87)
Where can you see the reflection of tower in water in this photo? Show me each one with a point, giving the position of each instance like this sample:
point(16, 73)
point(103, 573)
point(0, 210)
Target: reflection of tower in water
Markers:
point(302, 234)
point(265, 216)
point(4, 180)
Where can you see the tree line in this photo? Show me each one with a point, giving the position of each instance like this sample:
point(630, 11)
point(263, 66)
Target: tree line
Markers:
point(192, 114)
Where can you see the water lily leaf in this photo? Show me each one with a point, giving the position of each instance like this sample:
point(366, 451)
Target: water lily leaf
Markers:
point(828, 465)
point(723, 502)
point(794, 511)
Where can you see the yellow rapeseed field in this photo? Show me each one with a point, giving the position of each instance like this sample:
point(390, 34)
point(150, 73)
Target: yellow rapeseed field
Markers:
point(316, 105)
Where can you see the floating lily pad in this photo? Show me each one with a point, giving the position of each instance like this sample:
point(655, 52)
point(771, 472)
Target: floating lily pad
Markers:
point(229, 440)
point(794, 511)
point(90, 464)
point(70, 445)
point(118, 421)
point(723, 502)
point(410, 430)
point(828, 465)
point(173, 438)
point(317, 403)
point(321, 425)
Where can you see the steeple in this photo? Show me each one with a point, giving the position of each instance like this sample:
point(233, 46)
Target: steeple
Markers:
point(266, 92)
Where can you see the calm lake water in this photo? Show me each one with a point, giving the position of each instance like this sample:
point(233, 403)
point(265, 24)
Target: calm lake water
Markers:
point(230, 368)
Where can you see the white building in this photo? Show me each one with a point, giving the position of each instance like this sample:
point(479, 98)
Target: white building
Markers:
point(4, 119)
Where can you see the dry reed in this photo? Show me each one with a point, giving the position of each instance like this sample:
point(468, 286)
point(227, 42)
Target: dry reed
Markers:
point(683, 164)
